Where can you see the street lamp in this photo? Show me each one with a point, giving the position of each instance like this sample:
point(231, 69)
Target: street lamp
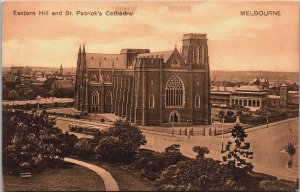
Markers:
point(38, 98)
point(222, 134)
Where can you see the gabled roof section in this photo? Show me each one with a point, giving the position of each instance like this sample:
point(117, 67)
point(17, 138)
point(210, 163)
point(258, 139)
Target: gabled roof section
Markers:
point(106, 60)
point(64, 84)
point(164, 54)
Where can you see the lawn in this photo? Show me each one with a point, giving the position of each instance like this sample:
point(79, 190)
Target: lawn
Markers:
point(127, 180)
point(74, 178)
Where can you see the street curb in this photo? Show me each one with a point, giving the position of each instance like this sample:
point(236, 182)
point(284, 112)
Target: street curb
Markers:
point(110, 183)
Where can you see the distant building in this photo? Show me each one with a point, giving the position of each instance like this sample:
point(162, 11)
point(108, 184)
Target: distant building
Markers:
point(11, 81)
point(61, 70)
point(253, 97)
point(20, 70)
point(283, 91)
point(248, 96)
point(293, 98)
point(263, 82)
point(220, 96)
point(274, 100)
point(39, 82)
point(63, 88)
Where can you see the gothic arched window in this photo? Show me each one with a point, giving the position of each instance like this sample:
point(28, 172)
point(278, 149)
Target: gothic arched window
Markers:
point(95, 98)
point(108, 98)
point(93, 78)
point(151, 102)
point(174, 92)
point(197, 101)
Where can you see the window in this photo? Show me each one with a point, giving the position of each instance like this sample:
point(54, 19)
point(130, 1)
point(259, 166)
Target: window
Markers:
point(174, 92)
point(93, 78)
point(92, 62)
point(151, 102)
point(107, 78)
point(108, 98)
point(197, 101)
point(175, 62)
point(95, 98)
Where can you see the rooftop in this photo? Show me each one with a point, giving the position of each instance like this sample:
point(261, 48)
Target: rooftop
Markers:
point(250, 88)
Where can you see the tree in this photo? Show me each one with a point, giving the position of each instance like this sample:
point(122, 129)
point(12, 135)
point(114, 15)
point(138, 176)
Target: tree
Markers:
point(30, 95)
point(203, 174)
point(237, 152)
point(172, 155)
point(13, 95)
point(32, 141)
point(201, 151)
point(45, 93)
point(121, 142)
point(291, 152)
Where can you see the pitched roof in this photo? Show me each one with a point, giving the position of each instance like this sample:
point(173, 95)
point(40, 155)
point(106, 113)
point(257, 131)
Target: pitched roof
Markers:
point(64, 84)
point(165, 54)
point(250, 88)
point(41, 79)
point(106, 60)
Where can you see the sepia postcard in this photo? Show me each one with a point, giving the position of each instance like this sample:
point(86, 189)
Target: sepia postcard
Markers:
point(150, 96)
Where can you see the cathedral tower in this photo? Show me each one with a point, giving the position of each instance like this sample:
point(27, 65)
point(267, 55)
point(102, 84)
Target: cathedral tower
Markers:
point(195, 50)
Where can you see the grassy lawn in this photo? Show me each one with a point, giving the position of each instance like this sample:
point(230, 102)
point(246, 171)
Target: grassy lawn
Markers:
point(75, 178)
point(127, 180)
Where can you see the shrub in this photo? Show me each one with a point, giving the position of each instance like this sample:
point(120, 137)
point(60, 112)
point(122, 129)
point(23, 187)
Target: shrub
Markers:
point(121, 142)
point(84, 148)
point(196, 175)
point(150, 164)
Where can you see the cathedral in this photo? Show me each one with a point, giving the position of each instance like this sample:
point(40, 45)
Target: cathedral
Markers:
point(147, 88)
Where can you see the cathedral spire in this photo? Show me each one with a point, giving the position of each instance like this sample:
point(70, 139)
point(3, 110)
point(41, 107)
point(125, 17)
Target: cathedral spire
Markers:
point(79, 49)
point(83, 49)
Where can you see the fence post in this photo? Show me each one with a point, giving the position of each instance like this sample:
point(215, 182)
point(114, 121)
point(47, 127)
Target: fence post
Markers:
point(180, 131)
point(192, 131)
point(185, 131)
point(204, 131)
point(215, 133)
point(209, 131)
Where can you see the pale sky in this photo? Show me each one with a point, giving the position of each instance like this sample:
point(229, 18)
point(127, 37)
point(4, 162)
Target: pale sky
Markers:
point(235, 42)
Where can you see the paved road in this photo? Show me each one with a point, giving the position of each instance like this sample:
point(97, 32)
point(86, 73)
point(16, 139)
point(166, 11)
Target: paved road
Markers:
point(266, 143)
point(108, 180)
